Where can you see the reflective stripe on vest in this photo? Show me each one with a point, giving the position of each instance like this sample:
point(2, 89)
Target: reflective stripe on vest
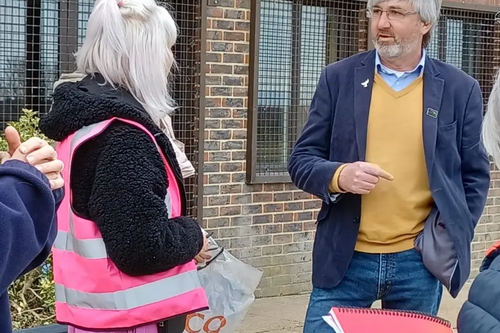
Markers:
point(130, 298)
point(93, 248)
point(96, 295)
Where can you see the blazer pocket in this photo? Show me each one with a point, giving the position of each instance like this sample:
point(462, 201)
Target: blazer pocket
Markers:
point(446, 145)
point(447, 136)
point(438, 250)
point(452, 127)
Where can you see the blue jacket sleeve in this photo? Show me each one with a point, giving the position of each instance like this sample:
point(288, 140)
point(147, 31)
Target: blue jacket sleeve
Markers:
point(28, 223)
point(309, 165)
point(475, 161)
point(481, 313)
point(40, 259)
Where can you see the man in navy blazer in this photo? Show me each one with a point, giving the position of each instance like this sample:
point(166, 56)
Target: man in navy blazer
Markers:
point(392, 147)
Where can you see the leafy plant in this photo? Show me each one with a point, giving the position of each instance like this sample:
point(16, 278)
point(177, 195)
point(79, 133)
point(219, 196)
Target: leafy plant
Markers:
point(32, 296)
point(27, 126)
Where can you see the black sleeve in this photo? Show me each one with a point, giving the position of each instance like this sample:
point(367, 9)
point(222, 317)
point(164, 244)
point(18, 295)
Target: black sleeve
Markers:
point(128, 204)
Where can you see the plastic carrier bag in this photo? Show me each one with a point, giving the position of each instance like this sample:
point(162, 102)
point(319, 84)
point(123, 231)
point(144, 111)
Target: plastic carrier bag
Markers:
point(230, 285)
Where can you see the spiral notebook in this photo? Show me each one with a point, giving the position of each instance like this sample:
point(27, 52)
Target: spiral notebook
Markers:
point(360, 320)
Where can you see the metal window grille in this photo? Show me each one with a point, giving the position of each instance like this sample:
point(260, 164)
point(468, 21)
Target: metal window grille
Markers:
point(37, 43)
point(296, 40)
point(28, 55)
point(468, 40)
point(187, 92)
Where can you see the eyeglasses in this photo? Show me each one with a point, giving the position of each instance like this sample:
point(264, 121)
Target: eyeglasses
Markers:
point(392, 14)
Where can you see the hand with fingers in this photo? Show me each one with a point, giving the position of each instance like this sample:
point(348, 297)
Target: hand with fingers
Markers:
point(362, 177)
point(204, 253)
point(36, 152)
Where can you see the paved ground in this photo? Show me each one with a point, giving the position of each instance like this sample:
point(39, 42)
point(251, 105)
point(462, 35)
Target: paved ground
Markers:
point(286, 314)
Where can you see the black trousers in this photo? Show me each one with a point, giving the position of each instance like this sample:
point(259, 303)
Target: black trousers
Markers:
point(174, 325)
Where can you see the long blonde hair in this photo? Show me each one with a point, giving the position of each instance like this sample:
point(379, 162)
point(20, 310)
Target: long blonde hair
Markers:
point(129, 43)
point(491, 123)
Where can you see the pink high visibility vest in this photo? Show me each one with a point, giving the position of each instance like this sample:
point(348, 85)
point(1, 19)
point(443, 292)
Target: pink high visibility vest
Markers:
point(91, 292)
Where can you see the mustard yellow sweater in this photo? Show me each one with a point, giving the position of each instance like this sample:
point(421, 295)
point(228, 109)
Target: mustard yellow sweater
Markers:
point(394, 213)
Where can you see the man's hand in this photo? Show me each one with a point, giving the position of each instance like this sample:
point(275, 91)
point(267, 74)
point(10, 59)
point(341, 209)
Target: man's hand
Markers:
point(36, 152)
point(361, 177)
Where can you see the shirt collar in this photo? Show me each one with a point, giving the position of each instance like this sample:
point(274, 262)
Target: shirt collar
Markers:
point(381, 68)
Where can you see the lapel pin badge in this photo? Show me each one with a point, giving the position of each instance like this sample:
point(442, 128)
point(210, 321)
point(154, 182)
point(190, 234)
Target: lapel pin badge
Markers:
point(432, 113)
point(365, 84)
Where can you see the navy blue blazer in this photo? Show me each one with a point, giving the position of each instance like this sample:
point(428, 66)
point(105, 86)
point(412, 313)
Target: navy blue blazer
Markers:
point(335, 133)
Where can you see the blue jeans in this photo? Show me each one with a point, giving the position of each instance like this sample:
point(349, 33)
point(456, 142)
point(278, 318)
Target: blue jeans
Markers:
point(399, 280)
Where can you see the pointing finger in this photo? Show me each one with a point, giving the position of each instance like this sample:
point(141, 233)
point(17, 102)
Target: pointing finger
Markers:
point(375, 170)
point(384, 174)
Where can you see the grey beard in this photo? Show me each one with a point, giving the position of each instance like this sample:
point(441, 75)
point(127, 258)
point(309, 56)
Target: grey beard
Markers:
point(393, 51)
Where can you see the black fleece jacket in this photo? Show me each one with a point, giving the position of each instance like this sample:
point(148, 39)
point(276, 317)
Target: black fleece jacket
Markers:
point(119, 181)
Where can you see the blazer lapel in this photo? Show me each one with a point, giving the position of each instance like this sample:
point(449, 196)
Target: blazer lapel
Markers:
point(363, 83)
point(433, 95)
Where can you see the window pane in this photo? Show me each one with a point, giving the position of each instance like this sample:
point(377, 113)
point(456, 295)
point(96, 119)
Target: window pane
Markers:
point(464, 39)
point(12, 57)
point(29, 37)
point(433, 48)
point(275, 90)
point(454, 42)
point(312, 51)
point(49, 48)
point(297, 39)
point(84, 9)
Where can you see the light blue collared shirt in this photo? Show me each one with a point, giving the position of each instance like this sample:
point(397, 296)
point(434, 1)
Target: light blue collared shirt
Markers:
point(399, 80)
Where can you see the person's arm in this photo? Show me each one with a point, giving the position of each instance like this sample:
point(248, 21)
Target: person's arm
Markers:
point(44, 254)
point(480, 312)
point(28, 219)
point(309, 166)
point(128, 205)
point(475, 161)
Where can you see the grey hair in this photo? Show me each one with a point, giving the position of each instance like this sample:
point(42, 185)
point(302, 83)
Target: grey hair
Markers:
point(429, 11)
point(129, 43)
point(491, 123)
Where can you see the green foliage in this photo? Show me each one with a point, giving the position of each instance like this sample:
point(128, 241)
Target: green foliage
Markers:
point(32, 296)
point(27, 126)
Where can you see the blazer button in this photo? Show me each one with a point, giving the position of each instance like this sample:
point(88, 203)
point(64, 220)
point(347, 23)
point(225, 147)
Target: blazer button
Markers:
point(356, 219)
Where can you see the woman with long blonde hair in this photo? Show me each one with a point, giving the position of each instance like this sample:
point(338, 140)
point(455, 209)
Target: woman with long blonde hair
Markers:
point(125, 254)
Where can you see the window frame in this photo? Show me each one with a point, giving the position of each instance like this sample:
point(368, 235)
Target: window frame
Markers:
point(253, 82)
point(252, 177)
point(253, 91)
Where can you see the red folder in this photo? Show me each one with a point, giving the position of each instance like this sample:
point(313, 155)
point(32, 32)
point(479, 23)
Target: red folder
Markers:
point(361, 320)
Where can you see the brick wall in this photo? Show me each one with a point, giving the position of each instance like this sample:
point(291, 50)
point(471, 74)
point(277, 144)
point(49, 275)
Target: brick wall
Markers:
point(488, 228)
point(270, 226)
